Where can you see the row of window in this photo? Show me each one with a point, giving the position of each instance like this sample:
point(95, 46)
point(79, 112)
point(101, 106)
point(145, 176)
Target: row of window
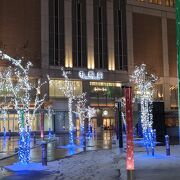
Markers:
point(79, 33)
point(169, 3)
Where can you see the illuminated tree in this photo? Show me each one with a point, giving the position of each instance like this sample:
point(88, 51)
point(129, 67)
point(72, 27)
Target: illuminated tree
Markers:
point(19, 85)
point(81, 109)
point(144, 83)
point(91, 112)
point(68, 92)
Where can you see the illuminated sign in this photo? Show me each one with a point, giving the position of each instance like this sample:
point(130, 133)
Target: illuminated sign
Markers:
point(102, 89)
point(91, 75)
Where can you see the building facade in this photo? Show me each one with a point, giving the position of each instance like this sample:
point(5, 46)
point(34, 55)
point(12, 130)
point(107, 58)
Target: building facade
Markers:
point(151, 34)
point(80, 35)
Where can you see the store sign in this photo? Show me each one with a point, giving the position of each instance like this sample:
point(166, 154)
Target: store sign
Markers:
point(100, 89)
point(91, 75)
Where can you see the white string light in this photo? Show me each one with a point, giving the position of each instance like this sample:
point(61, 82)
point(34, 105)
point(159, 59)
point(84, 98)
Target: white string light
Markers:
point(81, 109)
point(91, 112)
point(144, 83)
point(19, 85)
point(68, 92)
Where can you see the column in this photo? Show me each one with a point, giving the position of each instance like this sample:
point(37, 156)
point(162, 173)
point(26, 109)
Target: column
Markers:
point(44, 34)
point(166, 84)
point(90, 34)
point(110, 35)
point(68, 32)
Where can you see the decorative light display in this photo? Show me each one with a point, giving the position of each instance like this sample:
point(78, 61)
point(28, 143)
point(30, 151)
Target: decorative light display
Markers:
point(81, 109)
point(4, 114)
point(68, 92)
point(42, 124)
point(91, 75)
point(178, 53)
point(91, 112)
point(5, 99)
point(144, 83)
point(49, 116)
point(20, 89)
point(129, 136)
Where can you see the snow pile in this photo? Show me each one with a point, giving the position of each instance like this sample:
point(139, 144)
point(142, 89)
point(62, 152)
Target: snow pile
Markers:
point(92, 165)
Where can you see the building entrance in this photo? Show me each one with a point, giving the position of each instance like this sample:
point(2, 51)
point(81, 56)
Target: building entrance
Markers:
point(108, 123)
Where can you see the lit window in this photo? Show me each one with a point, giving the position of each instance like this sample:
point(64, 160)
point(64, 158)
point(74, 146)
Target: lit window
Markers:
point(174, 97)
point(155, 1)
point(170, 3)
point(55, 85)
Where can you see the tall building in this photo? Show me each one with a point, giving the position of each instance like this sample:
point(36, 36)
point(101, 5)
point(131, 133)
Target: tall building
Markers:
point(87, 36)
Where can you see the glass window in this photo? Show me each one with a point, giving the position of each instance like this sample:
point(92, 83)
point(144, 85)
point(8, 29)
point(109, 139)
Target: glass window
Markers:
point(158, 92)
point(56, 33)
point(104, 89)
point(174, 97)
point(170, 3)
point(155, 1)
point(55, 85)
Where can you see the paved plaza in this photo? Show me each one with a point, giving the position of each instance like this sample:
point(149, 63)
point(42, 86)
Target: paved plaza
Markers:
point(101, 160)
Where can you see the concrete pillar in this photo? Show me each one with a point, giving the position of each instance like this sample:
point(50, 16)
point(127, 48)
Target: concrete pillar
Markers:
point(90, 34)
point(68, 32)
point(110, 35)
point(165, 62)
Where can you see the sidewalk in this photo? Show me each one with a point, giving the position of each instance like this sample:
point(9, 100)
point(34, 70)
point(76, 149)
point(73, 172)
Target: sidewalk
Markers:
point(90, 165)
point(159, 167)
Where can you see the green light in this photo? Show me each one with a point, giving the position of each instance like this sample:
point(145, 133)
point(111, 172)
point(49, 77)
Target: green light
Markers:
point(178, 52)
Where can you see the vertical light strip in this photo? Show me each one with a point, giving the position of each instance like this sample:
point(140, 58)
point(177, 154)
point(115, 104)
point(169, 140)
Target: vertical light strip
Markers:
point(68, 32)
point(90, 34)
point(129, 136)
point(178, 53)
point(110, 35)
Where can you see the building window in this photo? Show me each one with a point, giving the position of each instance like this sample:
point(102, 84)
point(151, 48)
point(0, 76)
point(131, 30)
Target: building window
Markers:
point(104, 93)
point(100, 38)
point(79, 33)
point(170, 3)
point(156, 1)
point(55, 85)
point(56, 33)
point(120, 35)
point(100, 34)
point(158, 92)
point(173, 97)
point(105, 89)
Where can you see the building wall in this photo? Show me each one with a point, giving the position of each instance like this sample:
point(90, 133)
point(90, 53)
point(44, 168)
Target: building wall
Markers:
point(151, 40)
point(20, 32)
point(147, 42)
point(171, 28)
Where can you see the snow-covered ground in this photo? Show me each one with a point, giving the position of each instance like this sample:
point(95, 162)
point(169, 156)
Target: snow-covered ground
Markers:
point(105, 165)
point(159, 167)
point(93, 165)
point(90, 165)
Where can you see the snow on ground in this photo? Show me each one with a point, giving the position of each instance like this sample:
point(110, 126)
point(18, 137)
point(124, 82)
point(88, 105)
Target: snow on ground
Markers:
point(92, 165)
point(105, 165)
point(159, 167)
